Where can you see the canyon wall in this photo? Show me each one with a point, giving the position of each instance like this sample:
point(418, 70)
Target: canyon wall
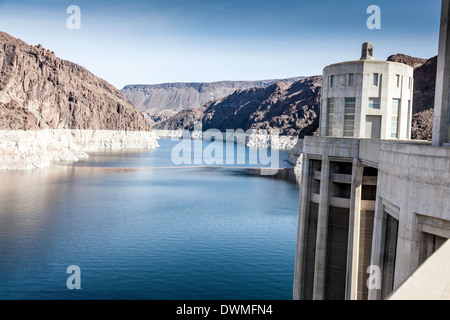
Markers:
point(55, 110)
point(40, 90)
point(290, 108)
point(160, 101)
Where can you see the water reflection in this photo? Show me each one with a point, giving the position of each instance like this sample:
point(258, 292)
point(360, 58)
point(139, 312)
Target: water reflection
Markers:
point(196, 233)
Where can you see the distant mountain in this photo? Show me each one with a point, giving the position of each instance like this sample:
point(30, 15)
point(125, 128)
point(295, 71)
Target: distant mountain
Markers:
point(291, 107)
point(39, 90)
point(423, 96)
point(159, 102)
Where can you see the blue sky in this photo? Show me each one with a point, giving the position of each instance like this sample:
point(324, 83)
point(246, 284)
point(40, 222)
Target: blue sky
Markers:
point(156, 41)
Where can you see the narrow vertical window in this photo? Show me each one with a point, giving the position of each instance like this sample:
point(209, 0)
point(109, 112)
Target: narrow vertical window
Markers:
point(395, 117)
point(375, 79)
point(349, 117)
point(331, 81)
point(390, 254)
point(330, 116)
point(397, 79)
point(351, 79)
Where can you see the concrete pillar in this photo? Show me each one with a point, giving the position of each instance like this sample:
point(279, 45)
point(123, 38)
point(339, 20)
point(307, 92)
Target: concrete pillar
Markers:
point(404, 243)
point(301, 230)
point(408, 244)
point(377, 241)
point(351, 292)
point(441, 102)
point(322, 230)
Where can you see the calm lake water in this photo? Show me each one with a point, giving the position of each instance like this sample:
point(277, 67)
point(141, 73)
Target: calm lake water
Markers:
point(165, 233)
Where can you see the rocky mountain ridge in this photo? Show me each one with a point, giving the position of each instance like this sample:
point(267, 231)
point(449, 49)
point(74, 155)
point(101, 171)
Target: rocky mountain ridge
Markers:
point(160, 101)
point(41, 91)
point(292, 108)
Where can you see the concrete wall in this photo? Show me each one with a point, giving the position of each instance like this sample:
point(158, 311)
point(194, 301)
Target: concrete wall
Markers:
point(413, 187)
point(410, 217)
point(402, 181)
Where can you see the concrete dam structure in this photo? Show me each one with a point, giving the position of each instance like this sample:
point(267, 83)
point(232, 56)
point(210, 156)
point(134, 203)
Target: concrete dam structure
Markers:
point(374, 205)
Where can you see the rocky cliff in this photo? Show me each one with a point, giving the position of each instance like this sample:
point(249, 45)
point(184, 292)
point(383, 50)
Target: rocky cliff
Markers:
point(159, 102)
point(292, 108)
point(423, 96)
point(410, 61)
point(40, 91)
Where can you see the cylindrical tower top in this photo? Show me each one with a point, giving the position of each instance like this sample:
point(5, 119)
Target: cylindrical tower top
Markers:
point(367, 98)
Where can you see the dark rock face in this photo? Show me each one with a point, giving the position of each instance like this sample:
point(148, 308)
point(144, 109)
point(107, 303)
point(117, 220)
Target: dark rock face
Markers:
point(423, 96)
point(16, 117)
point(408, 60)
point(292, 108)
point(39, 90)
point(160, 101)
point(422, 125)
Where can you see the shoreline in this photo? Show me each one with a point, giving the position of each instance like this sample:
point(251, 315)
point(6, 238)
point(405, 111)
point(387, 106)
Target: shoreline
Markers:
point(30, 149)
point(259, 141)
point(286, 143)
